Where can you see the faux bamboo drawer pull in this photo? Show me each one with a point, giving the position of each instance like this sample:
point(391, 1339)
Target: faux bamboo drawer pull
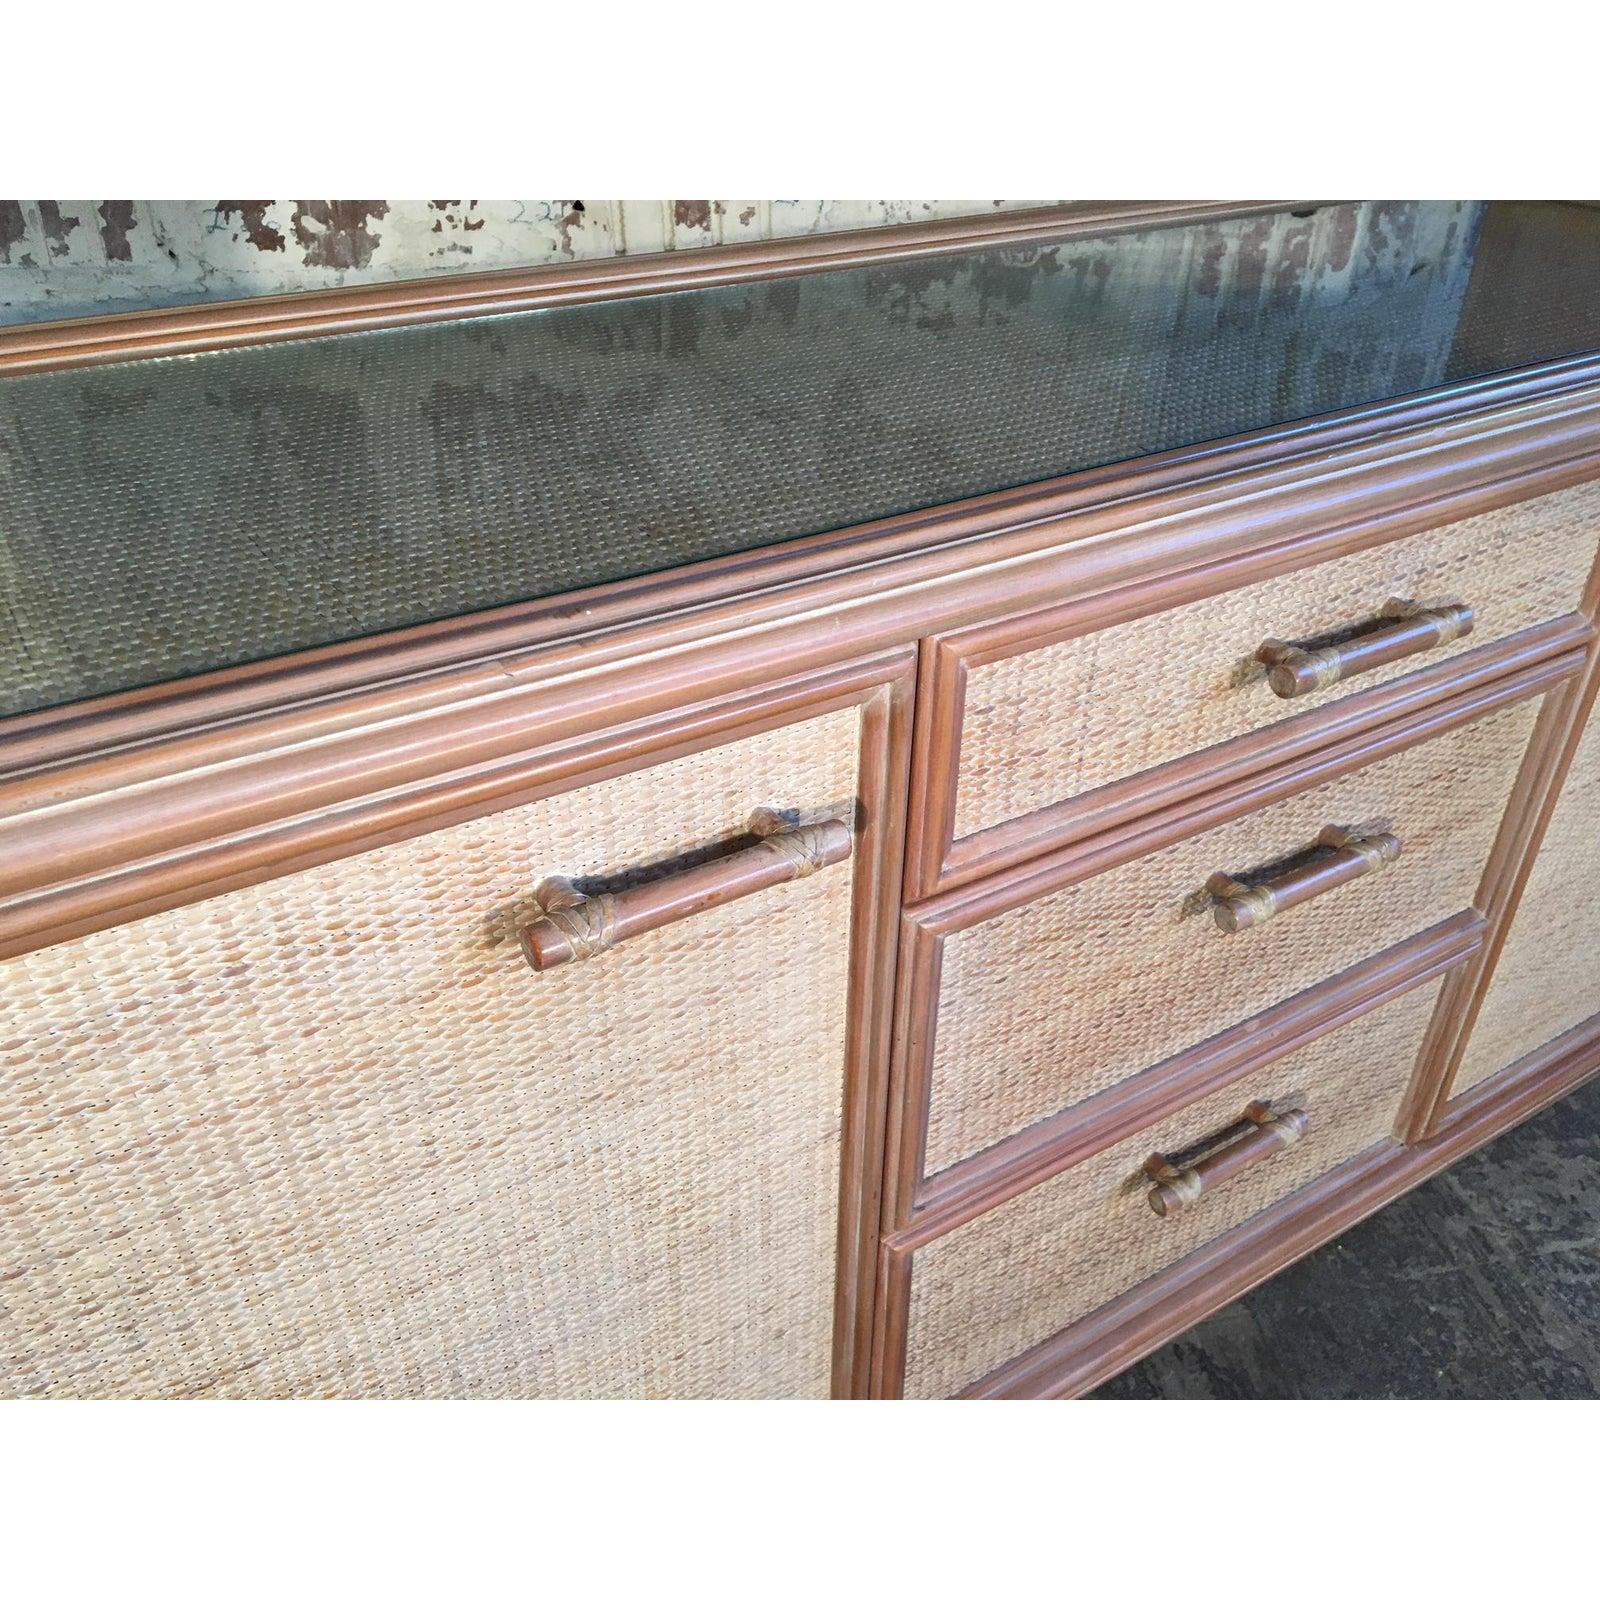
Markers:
point(576, 926)
point(1406, 630)
point(1339, 857)
point(1259, 1133)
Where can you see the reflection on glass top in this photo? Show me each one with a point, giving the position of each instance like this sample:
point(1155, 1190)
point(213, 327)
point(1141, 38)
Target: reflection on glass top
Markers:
point(162, 518)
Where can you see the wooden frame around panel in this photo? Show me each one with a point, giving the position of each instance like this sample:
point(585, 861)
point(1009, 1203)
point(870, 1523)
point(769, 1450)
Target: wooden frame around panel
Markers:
point(918, 1204)
point(1125, 1329)
point(883, 771)
point(318, 313)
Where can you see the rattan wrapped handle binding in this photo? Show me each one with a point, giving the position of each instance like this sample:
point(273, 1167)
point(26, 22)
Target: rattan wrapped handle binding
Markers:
point(1339, 857)
point(576, 926)
point(1259, 1133)
point(1406, 630)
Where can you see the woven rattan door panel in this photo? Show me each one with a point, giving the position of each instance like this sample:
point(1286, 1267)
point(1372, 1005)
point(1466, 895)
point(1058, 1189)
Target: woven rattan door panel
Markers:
point(1042, 1006)
point(330, 1135)
point(1548, 976)
point(1036, 1264)
point(1056, 723)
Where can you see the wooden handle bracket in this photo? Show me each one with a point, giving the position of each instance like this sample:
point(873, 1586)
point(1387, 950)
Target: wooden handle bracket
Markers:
point(576, 927)
point(1404, 629)
point(1179, 1181)
point(1338, 857)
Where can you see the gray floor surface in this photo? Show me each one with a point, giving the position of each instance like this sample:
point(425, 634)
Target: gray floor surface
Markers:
point(1482, 1284)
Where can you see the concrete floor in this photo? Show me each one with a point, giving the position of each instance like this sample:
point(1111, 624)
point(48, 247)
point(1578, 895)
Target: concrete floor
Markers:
point(1482, 1284)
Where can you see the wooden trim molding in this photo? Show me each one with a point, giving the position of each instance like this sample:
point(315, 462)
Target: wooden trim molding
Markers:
point(881, 800)
point(1148, 1316)
point(94, 830)
point(273, 319)
point(1364, 476)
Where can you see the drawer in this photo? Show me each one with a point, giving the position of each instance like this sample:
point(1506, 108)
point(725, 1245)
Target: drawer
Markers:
point(332, 1136)
point(1067, 725)
point(1058, 998)
point(1021, 1273)
point(1547, 979)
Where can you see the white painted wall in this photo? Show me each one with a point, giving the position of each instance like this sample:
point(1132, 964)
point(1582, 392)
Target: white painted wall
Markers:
point(73, 258)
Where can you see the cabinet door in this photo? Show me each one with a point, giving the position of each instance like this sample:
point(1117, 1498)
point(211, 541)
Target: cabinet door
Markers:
point(1548, 976)
point(333, 1135)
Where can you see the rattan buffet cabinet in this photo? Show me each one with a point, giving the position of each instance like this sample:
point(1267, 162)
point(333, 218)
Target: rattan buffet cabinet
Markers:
point(902, 814)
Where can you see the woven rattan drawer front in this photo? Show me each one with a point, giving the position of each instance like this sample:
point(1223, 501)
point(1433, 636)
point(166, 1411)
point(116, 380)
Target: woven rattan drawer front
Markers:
point(1548, 976)
point(1058, 723)
point(330, 1135)
point(997, 1286)
point(1060, 998)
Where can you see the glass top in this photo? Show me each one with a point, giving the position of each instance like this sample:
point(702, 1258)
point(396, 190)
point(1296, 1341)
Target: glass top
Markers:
point(166, 517)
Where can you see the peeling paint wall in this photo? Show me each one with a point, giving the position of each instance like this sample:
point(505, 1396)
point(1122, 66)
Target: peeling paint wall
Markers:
point(74, 258)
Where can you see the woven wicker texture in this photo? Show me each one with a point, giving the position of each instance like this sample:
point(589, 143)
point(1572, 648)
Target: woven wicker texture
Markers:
point(1049, 1003)
point(167, 517)
point(1548, 976)
point(330, 1136)
point(996, 1287)
point(1059, 722)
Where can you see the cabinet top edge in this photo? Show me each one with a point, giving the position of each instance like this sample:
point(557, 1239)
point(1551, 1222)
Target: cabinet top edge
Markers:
point(915, 570)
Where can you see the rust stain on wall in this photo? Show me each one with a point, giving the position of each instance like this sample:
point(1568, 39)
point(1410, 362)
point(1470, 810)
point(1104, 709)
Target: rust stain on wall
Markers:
point(252, 215)
point(334, 233)
point(571, 218)
point(452, 219)
point(463, 220)
point(13, 227)
point(56, 226)
point(117, 221)
point(692, 214)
